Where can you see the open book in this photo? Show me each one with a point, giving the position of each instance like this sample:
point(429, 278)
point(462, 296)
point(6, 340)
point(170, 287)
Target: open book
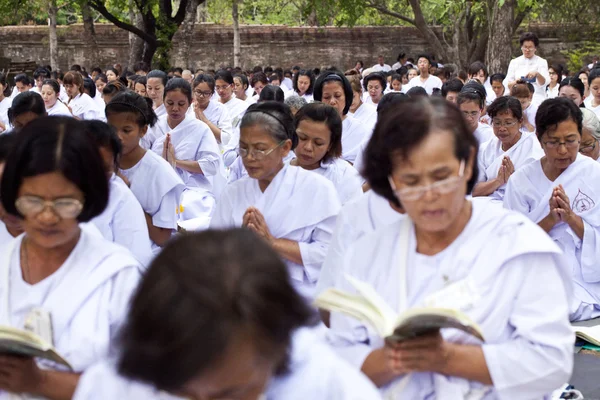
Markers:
point(22, 343)
point(370, 308)
point(588, 331)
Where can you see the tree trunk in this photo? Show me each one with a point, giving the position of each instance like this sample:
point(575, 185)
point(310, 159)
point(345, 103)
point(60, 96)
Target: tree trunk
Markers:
point(237, 47)
point(136, 44)
point(186, 30)
point(88, 30)
point(52, 12)
point(500, 23)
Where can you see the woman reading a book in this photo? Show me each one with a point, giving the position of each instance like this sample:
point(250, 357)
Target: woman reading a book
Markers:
point(495, 266)
point(58, 280)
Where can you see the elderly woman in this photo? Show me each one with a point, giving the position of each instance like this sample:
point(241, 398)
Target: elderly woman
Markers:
point(590, 134)
point(295, 103)
point(263, 200)
point(454, 253)
point(559, 193)
point(67, 284)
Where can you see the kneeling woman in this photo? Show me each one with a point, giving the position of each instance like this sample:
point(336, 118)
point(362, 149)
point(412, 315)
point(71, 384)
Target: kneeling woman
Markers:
point(291, 208)
point(559, 193)
point(66, 284)
point(319, 130)
point(454, 253)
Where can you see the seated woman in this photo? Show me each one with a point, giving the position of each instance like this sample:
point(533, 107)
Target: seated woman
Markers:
point(224, 88)
point(191, 148)
point(60, 281)
point(364, 112)
point(319, 130)
point(509, 150)
point(304, 84)
point(26, 107)
point(140, 86)
point(573, 89)
point(50, 94)
point(211, 112)
point(263, 201)
point(590, 134)
point(10, 226)
point(156, 80)
point(454, 253)
point(523, 91)
point(240, 87)
point(123, 220)
point(241, 331)
point(471, 101)
point(333, 88)
point(80, 104)
point(375, 85)
point(111, 90)
point(559, 194)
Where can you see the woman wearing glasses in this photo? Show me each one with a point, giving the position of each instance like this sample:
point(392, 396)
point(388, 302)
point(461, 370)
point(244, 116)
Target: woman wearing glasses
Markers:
point(454, 253)
point(291, 208)
point(559, 193)
point(590, 134)
point(471, 102)
point(529, 67)
point(211, 112)
point(508, 150)
point(62, 282)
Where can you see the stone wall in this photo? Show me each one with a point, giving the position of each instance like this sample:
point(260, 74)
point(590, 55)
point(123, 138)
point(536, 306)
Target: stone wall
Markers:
point(261, 45)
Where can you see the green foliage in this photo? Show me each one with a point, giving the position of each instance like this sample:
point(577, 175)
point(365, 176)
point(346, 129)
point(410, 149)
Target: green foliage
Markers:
point(580, 56)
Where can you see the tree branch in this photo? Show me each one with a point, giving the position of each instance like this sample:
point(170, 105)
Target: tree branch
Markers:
point(99, 6)
point(180, 16)
point(520, 17)
point(386, 11)
point(426, 30)
point(166, 8)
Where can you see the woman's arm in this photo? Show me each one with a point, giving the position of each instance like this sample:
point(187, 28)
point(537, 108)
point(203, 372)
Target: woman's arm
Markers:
point(190, 166)
point(486, 188)
point(288, 249)
point(160, 236)
point(58, 385)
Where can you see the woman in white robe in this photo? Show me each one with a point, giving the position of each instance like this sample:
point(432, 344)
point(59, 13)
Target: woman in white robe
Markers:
point(292, 208)
point(5, 103)
point(319, 130)
point(334, 89)
point(211, 112)
point(25, 107)
point(590, 135)
point(50, 93)
point(152, 180)
point(80, 104)
point(191, 148)
point(241, 87)
point(471, 101)
point(365, 113)
point(155, 88)
point(224, 86)
point(53, 180)
point(509, 149)
point(559, 193)
point(282, 358)
point(304, 84)
point(453, 253)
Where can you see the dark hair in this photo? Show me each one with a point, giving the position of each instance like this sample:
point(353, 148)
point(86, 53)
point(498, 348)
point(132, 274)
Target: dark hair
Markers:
point(209, 80)
point(417, 91)
point(88, 84)
point(141, 66)
point(401, 55)
point(113, 88)
point(101, 77)
point(156, 73)
point(179, 84)
point(243, 78)
point(320, 112)
point(271, 93)
point(426, 56)
point(559, 71)
point(574, 82)
point(41, 72)
point(273, 116)
point(477, 66)
point(375, 76)
point(56, 144)
point(472, 91)
point(24, 79)
point(499, 77)
point(76, 67)
point(104, 136)
point(26, 102)
point(97, 69)
point(554, 111)
point(274, 77)
point(4, 82)
point(7, 143)
point(308, 73)
point(114, 71)
point(259, 77)
point(53, 84)
point(529, 37)
point(74, 78)
point(418, 118)
point(131, 102)
point(218, 282)
point(396, 77)
point(454, 85)
point(58, 75)
point(506, 103)
point(334, 76)
point(141, 80)
point(389, 100)
point(224, 75)
point(594, 73)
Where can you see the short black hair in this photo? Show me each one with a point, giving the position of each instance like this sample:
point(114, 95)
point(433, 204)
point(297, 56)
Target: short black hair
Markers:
point(24, 79)
point(142, 80)
point(472, 91)
point(454, 85)
point(529, 37)
point(7, 143)
point(334, 76)
point(90, 86)
point(97, 70)
point(506, 103)
point(477, 66)
point(554, 111)
point(104, 135)
point(375, 76)
point(574, 82)
point(41, 72)
point(157, 73)
point(131, 102)
point(114, 87)
point(53, 84)
point(320, 112)
point(389, 100)
point(101, 77)
point(271, 93)
point(310, 75)
point(198, 294)
point(243, 78)
point(209, 80)
point(26, 102)
point(273, 116)
point(418, 118)
point(259, 77)
point(594, 74)
point(179, 84)
point(56, 144)
point(426, 56)
point(417, 91)
point(141, 66)
point(499, 77)
point(224, 75)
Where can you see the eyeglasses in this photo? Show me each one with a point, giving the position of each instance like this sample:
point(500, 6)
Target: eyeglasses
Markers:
point(30, 206)
point(569, 144)
point(369, 88)
point(527, 48)
point(202, 94)
point(471, 114)
point(588, 148)
point(258, 154)
point(506, 124)
point(445, 186)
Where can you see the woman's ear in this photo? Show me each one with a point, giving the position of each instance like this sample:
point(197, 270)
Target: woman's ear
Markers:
point(143, 131)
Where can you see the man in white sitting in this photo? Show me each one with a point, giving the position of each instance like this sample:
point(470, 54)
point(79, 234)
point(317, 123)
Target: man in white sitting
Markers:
point(381, 66)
